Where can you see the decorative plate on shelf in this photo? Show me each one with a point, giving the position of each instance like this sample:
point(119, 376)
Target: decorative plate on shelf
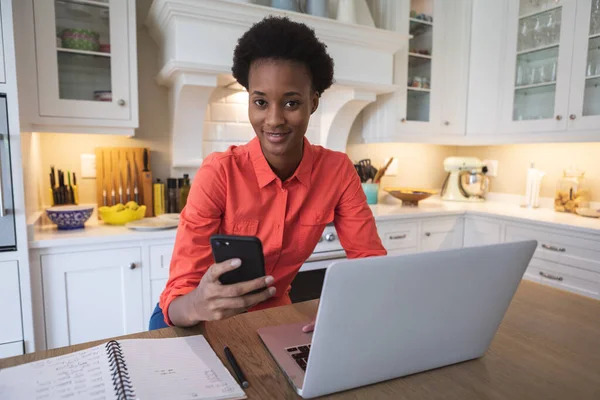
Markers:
point(152, 224)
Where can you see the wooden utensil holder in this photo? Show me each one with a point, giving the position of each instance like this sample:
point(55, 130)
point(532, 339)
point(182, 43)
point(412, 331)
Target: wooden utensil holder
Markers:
point(112, 161)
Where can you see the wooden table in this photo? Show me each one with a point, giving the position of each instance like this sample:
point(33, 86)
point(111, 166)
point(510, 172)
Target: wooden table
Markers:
point(548, 347)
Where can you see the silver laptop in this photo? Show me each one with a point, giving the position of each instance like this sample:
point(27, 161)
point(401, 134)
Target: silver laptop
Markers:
point(384, 317)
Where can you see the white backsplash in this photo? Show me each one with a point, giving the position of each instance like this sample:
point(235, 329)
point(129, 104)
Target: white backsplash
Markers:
point(227, 121)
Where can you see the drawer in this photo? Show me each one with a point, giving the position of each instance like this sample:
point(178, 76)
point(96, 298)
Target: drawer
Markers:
point(11, 349)
point(398, 235)
point(560, 248)
point(564, 277)
point(160, 260)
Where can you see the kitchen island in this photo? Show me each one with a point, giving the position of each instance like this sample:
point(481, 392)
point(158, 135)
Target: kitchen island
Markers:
point(547, 347)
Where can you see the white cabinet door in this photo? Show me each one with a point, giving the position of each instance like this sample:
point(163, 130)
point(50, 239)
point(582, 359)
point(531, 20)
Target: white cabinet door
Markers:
point(454, 22)
point(2, 67)
point(11, 349)
point(76, 77)
point(92, 295)
point(537, 67)
point(442, 234)
point(156, 288)
point(479, 232)
point(11, 328)
point(584, 106)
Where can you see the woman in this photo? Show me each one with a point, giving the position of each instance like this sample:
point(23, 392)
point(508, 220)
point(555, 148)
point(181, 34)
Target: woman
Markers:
point(277, 187)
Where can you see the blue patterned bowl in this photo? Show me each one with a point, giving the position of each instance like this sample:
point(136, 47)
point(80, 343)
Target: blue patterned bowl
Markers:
point(69, 217)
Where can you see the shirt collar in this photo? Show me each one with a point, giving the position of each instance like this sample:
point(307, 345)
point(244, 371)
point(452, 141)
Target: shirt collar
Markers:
point(264, 173)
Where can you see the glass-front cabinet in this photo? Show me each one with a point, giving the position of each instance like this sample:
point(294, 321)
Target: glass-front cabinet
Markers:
point(539, 57)
point(420, 60)
point(585, 82)
point(83, 58)
point(552, 80)
point(435, 68)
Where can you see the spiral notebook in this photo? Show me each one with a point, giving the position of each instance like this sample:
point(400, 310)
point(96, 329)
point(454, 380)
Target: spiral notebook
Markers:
point(175, 368)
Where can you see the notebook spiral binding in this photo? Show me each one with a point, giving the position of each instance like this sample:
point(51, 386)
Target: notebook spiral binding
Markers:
point(120, 375)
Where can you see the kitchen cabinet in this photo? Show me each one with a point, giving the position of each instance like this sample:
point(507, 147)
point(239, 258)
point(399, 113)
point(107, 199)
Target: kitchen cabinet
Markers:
point(160, 262)
point(437, 68)
point(11, 328)
point(552, 67)
point(480, 231)
point(85, 54)
point(90, 295)
point(11, 349)
point(2, 66)
point(432, 76)
point(566, 261)
point(441, 234)
point(399, 237)
point(584, 102)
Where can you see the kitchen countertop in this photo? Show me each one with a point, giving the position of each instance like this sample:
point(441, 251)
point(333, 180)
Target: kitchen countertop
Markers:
point(97, 232)
point(547, 347)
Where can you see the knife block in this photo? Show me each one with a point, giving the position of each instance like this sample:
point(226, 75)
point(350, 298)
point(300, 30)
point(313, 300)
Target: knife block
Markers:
point(111, 162)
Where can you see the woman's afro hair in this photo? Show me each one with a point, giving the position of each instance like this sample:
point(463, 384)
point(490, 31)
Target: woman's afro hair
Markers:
point(276, 38)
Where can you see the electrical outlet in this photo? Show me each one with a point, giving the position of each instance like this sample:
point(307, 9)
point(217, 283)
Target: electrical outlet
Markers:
point(492, 166)
point(392, 169)
point(88, 165)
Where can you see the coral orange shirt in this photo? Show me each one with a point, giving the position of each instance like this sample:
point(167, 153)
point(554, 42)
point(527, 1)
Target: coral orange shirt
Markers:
point(236, 192)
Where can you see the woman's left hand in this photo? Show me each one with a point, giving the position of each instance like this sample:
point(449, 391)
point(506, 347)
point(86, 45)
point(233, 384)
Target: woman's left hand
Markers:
point(309, 328)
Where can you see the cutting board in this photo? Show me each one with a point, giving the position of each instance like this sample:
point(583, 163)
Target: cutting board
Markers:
point(111, 162)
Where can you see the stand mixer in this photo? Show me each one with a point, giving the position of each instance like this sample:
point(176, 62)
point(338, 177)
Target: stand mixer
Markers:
point(466, 180)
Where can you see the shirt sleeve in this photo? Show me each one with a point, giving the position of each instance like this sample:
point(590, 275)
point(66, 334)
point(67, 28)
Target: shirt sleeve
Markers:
point(354, 220)
point(199, 220)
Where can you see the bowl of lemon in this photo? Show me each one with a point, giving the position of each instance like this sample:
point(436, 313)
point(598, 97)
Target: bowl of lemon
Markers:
point(120, 214)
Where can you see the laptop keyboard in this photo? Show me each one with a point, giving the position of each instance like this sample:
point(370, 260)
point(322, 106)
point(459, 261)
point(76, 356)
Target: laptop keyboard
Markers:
point(300, 355)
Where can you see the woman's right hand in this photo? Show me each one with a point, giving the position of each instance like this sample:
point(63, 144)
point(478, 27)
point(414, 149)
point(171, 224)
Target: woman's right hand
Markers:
point(211, 300)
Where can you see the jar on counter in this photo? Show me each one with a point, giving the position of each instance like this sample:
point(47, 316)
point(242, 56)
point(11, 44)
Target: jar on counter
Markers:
point(571, 192)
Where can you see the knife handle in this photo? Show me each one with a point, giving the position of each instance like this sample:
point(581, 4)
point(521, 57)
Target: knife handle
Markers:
point(136, 197)
point(104, 198)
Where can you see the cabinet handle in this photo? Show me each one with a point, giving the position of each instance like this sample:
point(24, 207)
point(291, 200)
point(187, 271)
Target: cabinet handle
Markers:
point(554, 248)
point(559, 117)
point(550, 276)
point(132, 266)
point(121, 102)
point(446, 123)
point(397, 237)
point(403, 120)
point(427, 234)
point(572, 117)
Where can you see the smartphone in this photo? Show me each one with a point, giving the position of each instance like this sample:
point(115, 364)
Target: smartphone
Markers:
point(246, 248)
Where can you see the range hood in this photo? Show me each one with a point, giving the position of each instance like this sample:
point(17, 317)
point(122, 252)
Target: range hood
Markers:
point(196, 39)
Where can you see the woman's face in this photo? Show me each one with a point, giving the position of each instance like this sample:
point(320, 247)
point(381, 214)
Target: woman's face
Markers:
point(281, 102)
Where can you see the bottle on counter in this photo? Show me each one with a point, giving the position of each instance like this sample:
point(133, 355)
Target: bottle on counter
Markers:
point(172, 195)
point(159, 198)
point(75, 190)
point(184, 191)
point(180, 182)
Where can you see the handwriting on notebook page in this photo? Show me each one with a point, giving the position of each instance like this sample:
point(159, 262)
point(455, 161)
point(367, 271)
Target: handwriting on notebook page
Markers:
point(83, 375)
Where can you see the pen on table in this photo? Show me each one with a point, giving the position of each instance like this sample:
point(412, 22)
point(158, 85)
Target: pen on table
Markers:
point(236, 368)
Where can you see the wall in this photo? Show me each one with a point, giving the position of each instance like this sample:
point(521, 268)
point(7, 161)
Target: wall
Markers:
point(419, 165)
point(552, 158)
point(227, 121)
